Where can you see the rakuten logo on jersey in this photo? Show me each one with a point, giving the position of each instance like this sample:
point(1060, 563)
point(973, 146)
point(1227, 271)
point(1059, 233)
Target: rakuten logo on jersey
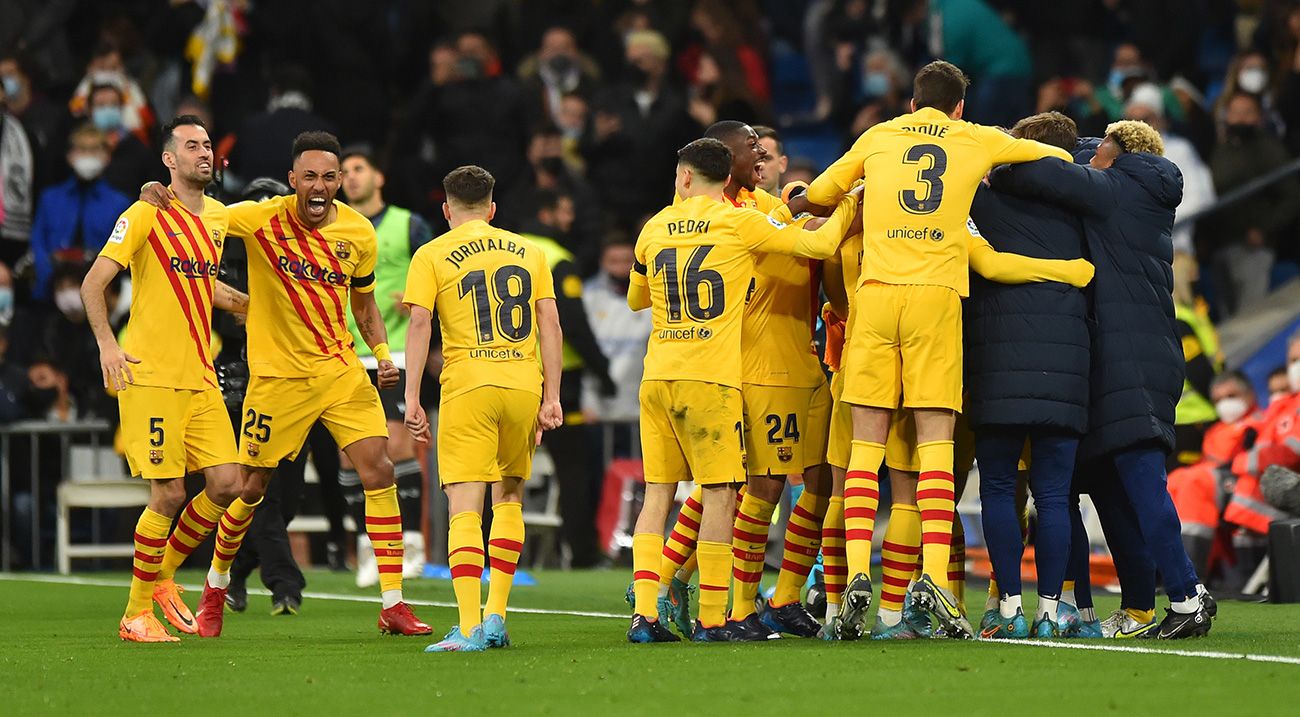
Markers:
point(304, 270)
point(193, 268)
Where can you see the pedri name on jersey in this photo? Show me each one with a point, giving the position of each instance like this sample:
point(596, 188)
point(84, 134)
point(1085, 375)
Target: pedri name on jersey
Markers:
point(193, 268)
point(478, 246)
point(304, 270)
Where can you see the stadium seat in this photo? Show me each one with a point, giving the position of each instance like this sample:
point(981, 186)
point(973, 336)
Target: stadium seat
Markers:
point(105, 493)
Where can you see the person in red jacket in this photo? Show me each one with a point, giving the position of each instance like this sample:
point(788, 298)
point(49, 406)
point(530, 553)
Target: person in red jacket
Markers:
point(1278, 444)
point(1200, 491)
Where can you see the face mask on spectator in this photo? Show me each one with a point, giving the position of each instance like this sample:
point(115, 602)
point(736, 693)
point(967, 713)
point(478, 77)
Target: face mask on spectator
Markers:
point(6, 302)
point(107, 118)
point(622, 283)
point(561, 65)
point(88, 166)
point(69, 302)
point(1119, 75)
point(12, 86)
point(1275, 397)
point(1231, 410)
point(44, 398)
point(637, 74)
point(875, 84)
point(1243, 132)
point(1252, 79)
point(470, 68)
point(1293, 375)
point(552, 165)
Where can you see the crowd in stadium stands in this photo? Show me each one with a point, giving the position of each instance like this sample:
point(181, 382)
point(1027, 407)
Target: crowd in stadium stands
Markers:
point(582, 105)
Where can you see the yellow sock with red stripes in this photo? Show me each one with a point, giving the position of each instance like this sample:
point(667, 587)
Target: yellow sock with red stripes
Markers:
point(505, 542)
point(197, 522)
point(861, 498)
point(899, 555)
point(834, 564)
point(384, 528)
point(647, 554)
point(715, 564)
point(957, 562)
point(231, 529)
point(803, 539)
point(465, 558)
point(150, 544)
point(935, 499)
point(679, 548)
point(749, 547)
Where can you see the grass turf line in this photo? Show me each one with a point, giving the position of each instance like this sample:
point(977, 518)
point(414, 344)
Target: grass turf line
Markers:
point(61, 654)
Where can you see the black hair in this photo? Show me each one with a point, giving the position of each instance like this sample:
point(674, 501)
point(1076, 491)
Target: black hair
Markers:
point(708, 156)
point(359, 151)
point(469, 186)
point(316, 140)
point(1234, 375)
point(726, 130)
point(765, 132)
point(941, 85)
point(168, 130)
point(548, 199)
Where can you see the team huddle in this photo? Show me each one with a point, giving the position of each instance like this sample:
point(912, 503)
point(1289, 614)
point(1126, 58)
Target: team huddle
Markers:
point(733, 396)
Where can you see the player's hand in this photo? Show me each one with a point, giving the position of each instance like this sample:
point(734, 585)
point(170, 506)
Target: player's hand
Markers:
point(1085, 271)
point(550, 416)
point(157, 194)
point(416, 422)
point(115, 364)
point(388, 374)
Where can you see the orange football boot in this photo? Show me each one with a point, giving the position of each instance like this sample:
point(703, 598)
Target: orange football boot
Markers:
point(168, 596)
point(144, 628)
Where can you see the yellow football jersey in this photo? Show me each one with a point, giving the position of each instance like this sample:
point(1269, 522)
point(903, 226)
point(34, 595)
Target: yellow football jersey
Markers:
point(484, 284)
point(173, 256)
point(697, 259)
point(922, 171)
point(298, 284)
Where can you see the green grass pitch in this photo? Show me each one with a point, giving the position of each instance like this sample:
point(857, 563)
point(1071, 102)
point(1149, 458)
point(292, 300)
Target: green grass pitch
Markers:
point(60, 655)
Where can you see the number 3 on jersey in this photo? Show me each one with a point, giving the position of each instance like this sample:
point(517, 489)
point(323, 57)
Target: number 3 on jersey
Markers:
point(692, 285)
point(931, 176)
point(512, 287)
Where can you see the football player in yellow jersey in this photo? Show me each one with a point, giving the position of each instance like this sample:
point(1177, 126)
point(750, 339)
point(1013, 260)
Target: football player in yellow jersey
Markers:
point(173, 419)
point(901, 451)
point(308, 254)
point(694, 262)
point(493, 293)
point(922, 170)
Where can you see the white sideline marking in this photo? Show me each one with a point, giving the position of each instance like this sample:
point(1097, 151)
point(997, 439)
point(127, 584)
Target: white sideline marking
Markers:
point(1067, 645)
point(1076, 645)
point(104, 583)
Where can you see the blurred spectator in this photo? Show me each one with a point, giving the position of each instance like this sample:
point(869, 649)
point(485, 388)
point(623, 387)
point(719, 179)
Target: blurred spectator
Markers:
point(547, 170)
point(1288, 85)
point(621, 332)
point(62, 336)
point(572, 124)
point(1250, 73)
point(800, 170)
point(557, 69)
point(1279, 385)
point(6, 296)
point(49, 398)
point(131, 112)
point(1098, 106)
point(1198, 124)
point(475, 115)
point(75, 217)
point(884, 91)
point(1244, 233)
point(14, 384)
point(17, 167)
point(719, 28)
point(1146, 103)
point(261, 146)
point(972, 35)
point(42, 119)
point(718, 90)
point(38, 29)
point(636, 128)
point(131, 162)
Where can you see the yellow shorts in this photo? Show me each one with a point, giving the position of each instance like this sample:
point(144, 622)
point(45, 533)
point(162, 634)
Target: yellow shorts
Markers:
point(487, 434)
point(279, 412)
point(170, 432)
point(785, 428)
point(900, 448)
point(906, 343)
point(691, 430)
point(840, 443)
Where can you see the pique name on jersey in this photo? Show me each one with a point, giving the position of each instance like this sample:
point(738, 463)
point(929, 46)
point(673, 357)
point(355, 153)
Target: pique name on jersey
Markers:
point(306, 270)
point(688, 226)
point(933, 130)
point(193, 268)
point(476, 246)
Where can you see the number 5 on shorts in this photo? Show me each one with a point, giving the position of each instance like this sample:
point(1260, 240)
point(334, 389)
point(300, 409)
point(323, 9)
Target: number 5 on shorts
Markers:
point(257, 426)
point(156, 435)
